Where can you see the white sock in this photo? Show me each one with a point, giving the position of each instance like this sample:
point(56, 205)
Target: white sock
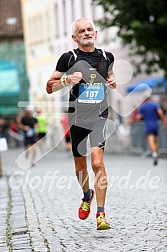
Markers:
point(154, 154)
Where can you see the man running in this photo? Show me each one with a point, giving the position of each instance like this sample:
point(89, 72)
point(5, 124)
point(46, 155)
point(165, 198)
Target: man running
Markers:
point(87, 72)
point(151, 112)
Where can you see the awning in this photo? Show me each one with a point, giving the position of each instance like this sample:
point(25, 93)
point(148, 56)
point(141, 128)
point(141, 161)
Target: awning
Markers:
point(158, 85)
point(9, 87)
point(9, 110)
point(9, 78)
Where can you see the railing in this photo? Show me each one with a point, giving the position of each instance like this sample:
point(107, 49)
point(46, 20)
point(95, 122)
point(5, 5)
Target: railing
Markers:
point(138, 137)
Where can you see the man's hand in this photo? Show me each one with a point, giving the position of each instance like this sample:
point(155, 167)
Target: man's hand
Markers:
point(26, 127)
point(74, 78)
point(111, 82)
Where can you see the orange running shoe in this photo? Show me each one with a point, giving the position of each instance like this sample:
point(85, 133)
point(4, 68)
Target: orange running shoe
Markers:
point(102, 224)
point(84, 209)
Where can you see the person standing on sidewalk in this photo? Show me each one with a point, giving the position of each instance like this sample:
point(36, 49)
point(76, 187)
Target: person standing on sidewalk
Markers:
point(41, 129)
point(150, 112)
point(87, 71)
point(65, 124)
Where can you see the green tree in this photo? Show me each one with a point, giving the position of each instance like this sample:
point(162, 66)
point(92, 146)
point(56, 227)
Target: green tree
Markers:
point(142, 24)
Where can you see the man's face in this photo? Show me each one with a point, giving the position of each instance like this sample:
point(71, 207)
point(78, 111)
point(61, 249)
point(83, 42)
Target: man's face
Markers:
point(29, 112)
point(85, 33)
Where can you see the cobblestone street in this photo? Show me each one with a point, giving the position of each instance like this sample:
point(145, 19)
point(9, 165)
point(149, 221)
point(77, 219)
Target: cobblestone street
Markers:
point(38, 207)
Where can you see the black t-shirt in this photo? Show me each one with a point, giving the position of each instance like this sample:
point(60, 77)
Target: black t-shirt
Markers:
point(93, 58)
point(29, 121)
point(80, 109)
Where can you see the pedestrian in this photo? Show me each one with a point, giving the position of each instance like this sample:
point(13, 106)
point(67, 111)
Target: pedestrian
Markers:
point(13, 128)
point(28, 124)
point(87, 72)
point(41, 129)
point(151, 112)
point(66, 129)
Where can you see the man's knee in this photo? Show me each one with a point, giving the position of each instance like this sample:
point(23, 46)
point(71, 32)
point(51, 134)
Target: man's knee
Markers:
point(97, 165)
point(80, 168)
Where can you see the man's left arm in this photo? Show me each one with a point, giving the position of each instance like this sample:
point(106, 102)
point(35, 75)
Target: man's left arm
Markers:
point(161, 116)
point(111, 80)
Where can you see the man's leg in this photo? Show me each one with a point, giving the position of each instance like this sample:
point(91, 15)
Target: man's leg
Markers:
point(81, 172)
point(33, 149)
point(79, 137)
point(31, 152)
point(83, 179)
point(152, 143)
point(79, 141)
point(27, 150)
point(100, 187)
point(100, 175)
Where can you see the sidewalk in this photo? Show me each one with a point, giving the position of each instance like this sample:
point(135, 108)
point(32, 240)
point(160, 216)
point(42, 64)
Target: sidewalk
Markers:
point(38, 212)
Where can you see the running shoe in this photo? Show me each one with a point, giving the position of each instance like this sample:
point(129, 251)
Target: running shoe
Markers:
point(155, 161)
point(155, 158)
point(102, 224)
point(84, 209)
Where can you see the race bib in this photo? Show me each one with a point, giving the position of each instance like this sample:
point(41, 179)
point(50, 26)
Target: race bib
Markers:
point(91, 93)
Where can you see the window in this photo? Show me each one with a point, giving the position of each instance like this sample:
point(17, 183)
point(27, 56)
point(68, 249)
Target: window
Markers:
point(72, 10)
point(93, 11)
point(48, 25)
point(57, 20)
point(64, 17)
point(82, 8)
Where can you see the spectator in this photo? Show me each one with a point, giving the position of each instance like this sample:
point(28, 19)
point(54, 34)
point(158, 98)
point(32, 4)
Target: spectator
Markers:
point(28, 124)
point(14, 129)
point(65, 125)
point(42, 128)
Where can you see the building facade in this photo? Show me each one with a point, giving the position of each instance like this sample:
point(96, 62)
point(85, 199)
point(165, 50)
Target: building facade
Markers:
point(14, 81)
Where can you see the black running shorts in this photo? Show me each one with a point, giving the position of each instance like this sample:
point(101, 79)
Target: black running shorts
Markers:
point(79, 136)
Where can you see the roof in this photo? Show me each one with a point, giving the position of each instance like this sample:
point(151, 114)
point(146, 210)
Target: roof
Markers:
point(10, 18)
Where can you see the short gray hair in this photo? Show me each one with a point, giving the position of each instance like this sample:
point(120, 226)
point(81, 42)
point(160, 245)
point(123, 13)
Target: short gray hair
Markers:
point(74, 24)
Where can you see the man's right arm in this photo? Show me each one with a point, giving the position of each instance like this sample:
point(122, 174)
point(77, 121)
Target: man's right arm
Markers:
point(139, 116)
point(55, 82)
point(22, 125)
point(59, 79)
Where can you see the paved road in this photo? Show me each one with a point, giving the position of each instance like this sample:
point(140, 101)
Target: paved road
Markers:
point(38, 212)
